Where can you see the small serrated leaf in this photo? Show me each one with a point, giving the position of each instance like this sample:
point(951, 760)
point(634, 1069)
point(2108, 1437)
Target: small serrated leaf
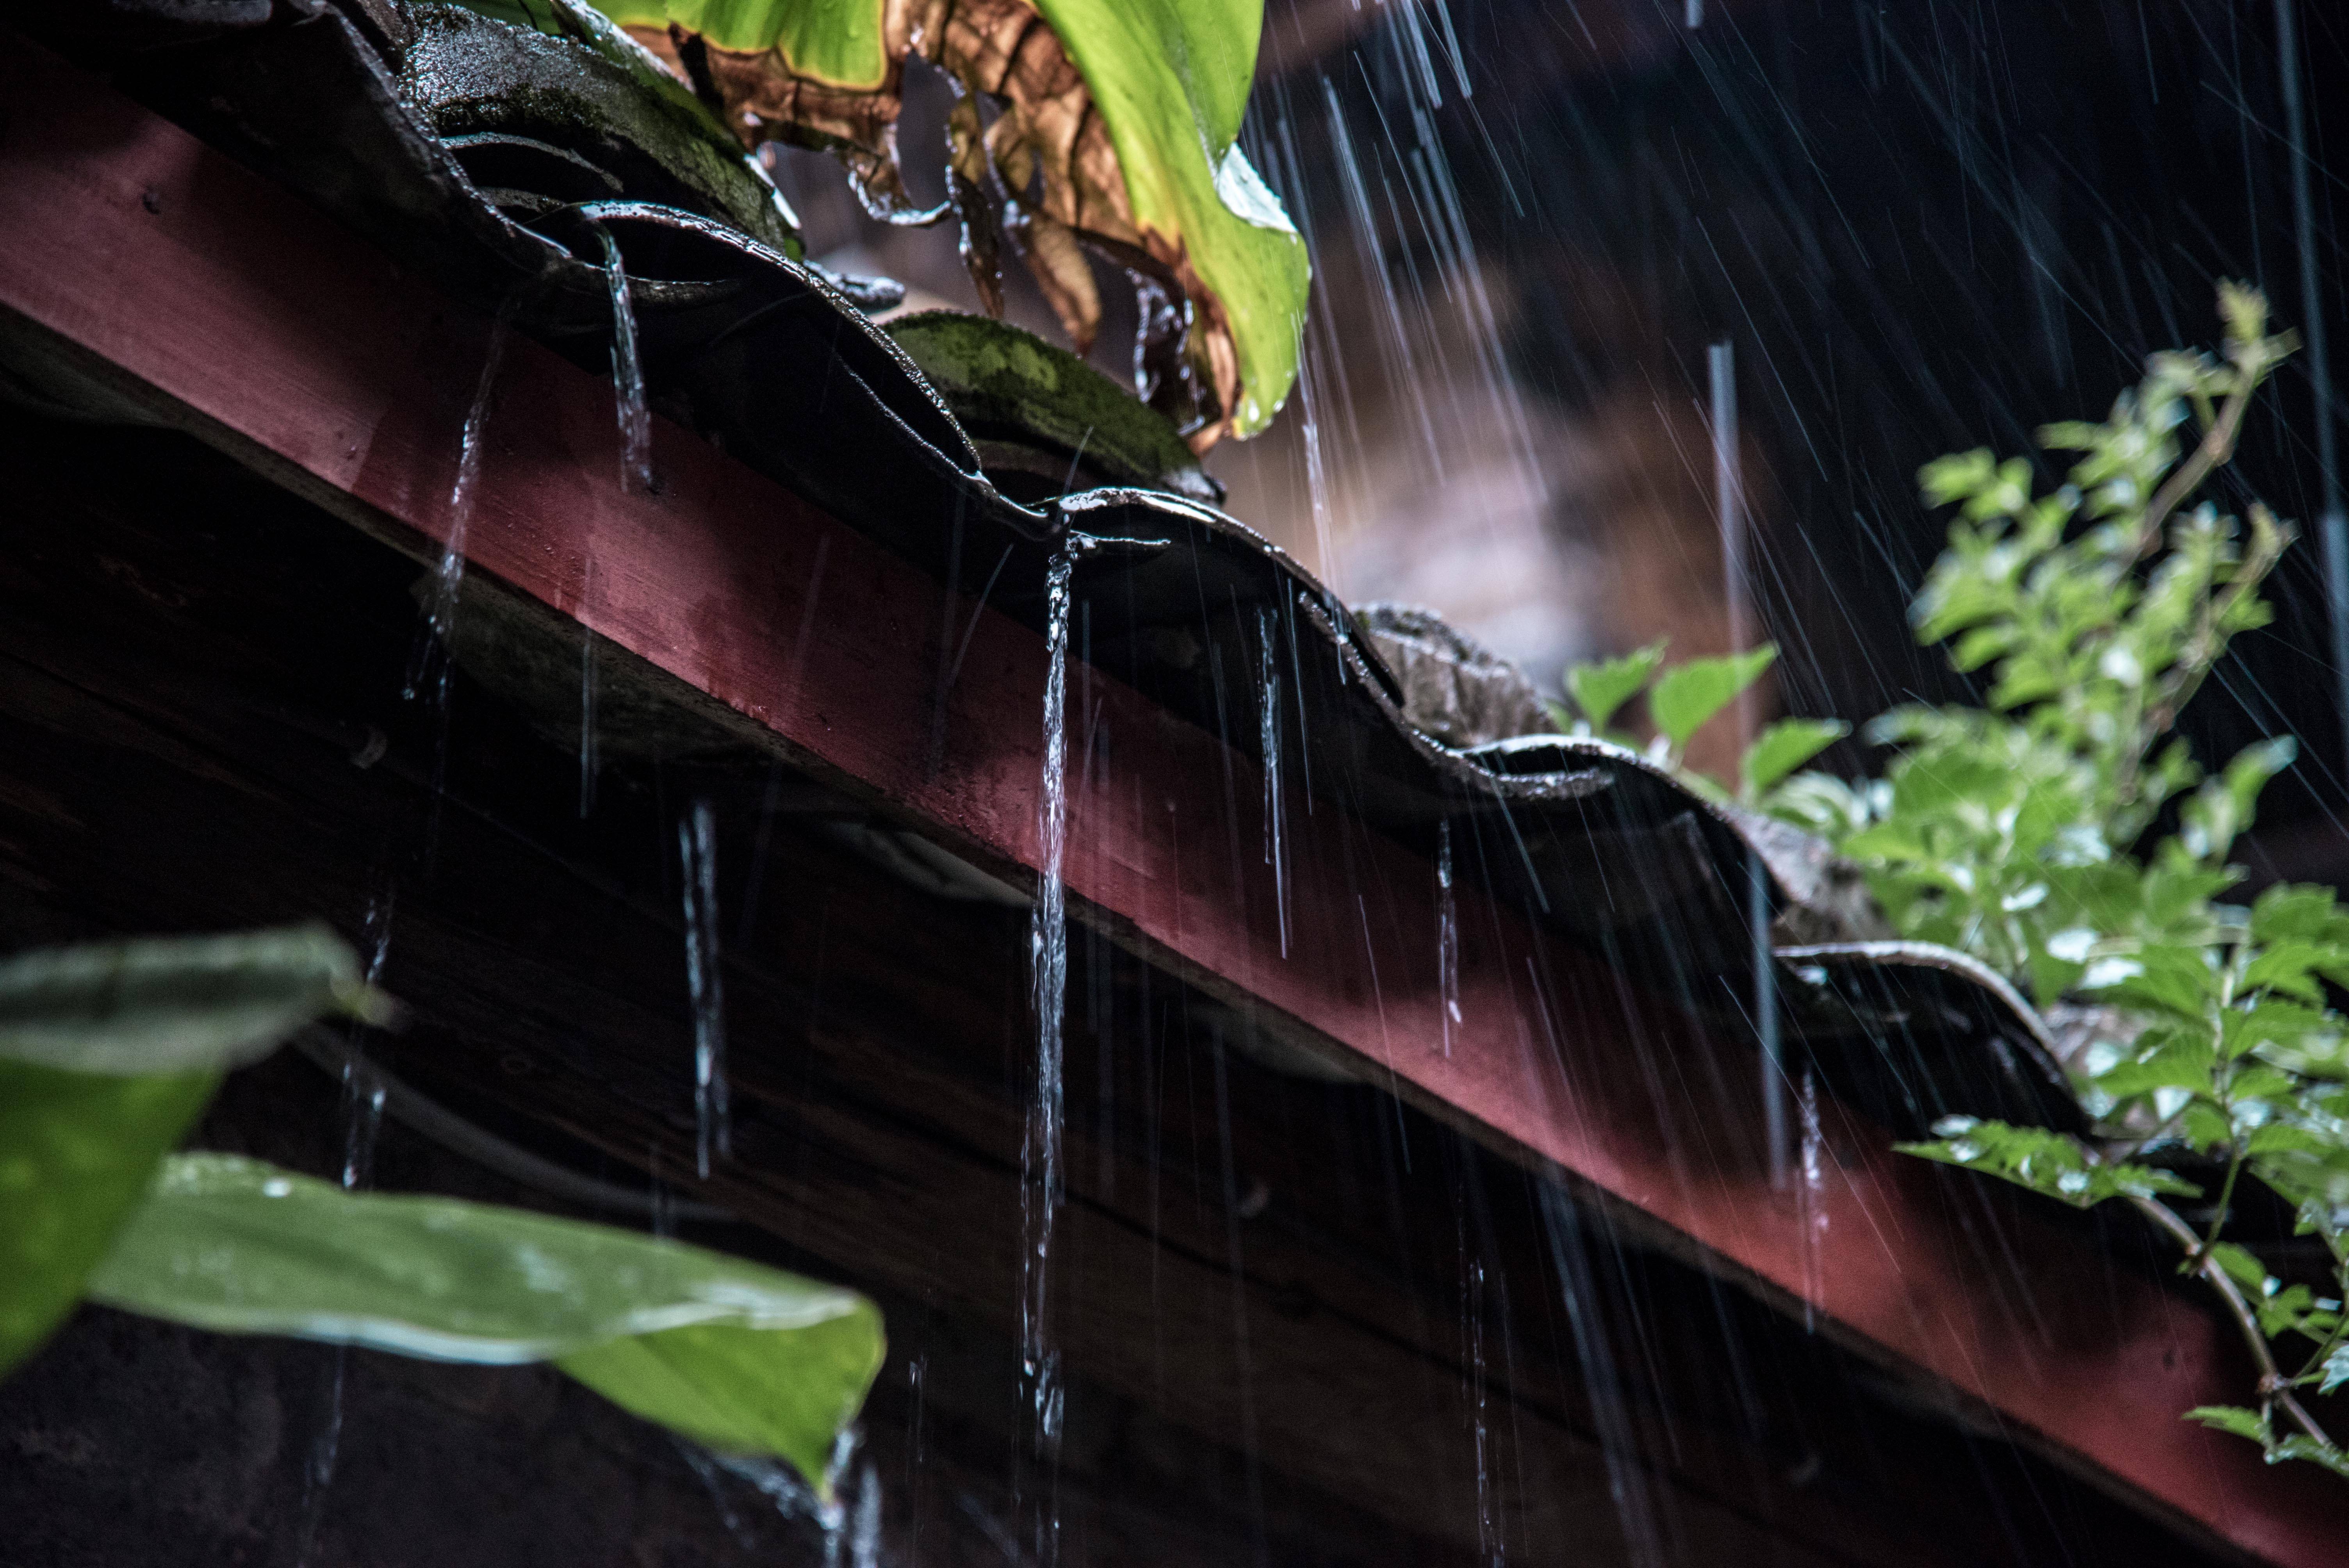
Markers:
point(1599, 689)
point(1688, 695)
point(2232, 1419)
point(1787, 746)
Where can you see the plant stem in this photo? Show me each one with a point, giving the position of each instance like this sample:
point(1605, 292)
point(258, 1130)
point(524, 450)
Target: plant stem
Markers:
point(2269, 538)
point(2216, 447)
point(2273, 1387)
point(2226, 1200)
point(2203, 648)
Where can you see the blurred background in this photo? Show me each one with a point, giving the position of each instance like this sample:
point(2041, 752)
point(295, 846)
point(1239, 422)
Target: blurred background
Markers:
point(1917, 228)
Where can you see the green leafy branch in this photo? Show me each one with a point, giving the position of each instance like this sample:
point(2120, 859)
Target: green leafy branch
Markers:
point(2016, 832)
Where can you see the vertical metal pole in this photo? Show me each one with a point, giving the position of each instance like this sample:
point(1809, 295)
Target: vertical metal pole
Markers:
point(1729, 501)
point(2333, 528)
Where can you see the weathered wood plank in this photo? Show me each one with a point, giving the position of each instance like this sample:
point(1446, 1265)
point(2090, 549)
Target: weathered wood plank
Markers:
point(185, 688)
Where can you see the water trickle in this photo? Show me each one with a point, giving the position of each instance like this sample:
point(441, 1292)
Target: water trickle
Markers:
point(1571, 1250)
point(361, 1115)
point(448, 577)
point(363, 1097)
point(627, 374)
point(318, 1469)
point(590, 761)
point(1048, 958)
point(696, 846)
point(1447, 935)
point(865, 1524)
point(663, 1200)
point(1488, 1521)
point(1269, 738)
point(1810, 1201)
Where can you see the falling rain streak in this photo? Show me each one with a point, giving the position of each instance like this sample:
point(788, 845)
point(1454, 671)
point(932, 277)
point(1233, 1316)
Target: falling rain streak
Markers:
point(627, 373)
point(1810, 1206)
point(697, 848)
point(1269, 738)
point(429, 664)
point(1447, 938)
point(1040, 1148)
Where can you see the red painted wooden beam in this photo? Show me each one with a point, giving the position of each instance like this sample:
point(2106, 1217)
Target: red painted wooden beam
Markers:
point(275, 334)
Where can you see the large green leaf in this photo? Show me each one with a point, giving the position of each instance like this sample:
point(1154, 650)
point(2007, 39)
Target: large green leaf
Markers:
point(840, 42)
point(731, 1353)
point(109, 1052)
point(1171, 81)
point(173, 1005)
point(77, 1151)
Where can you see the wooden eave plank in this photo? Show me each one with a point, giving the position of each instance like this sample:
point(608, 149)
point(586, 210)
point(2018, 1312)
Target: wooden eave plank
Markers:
point(275, 334)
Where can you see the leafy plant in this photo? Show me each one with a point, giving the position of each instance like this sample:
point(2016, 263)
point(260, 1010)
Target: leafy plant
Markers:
point(1109, 124)
point(1683, 698)
point(109, 1054)
point(2026, 833)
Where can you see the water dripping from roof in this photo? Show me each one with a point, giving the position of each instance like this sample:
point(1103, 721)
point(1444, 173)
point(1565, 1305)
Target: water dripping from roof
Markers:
point(1276, 854)
point(428, 665)
point(1447, 935)
point(713, 1119)
point(1810, 1201)
point(590, 759)
point(627, 374)
point(1627, 1479)
point(1040, 1148)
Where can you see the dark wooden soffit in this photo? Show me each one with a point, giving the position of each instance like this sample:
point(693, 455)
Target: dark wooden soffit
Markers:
point(226, 306)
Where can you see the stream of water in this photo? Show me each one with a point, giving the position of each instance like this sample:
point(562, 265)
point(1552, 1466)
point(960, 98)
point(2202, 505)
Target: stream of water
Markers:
point(627, 374)
point(696, 849)
point(1040, 1154)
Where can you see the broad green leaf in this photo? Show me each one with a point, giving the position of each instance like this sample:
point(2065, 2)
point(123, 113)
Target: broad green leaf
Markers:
point(2232, 1419)
point(2241, 1267)
point(2177, 981)
point(2299, 1446)
point(2162, 1058)
point(1171, 81)
point(2307, 1041)
point(2336, 1369)
point(1600, 689)
point(2283, 1137)
point(1687, 694)
point(109, 1052)
point(838, 42)
point(731, 1353)
point(2292, 967)
point(2287, 912)
point(2048, 1162)
point(77, 1152)
point(1957, 476)
point(175, 1004)
point(1787, 746)
point(2224, 807)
